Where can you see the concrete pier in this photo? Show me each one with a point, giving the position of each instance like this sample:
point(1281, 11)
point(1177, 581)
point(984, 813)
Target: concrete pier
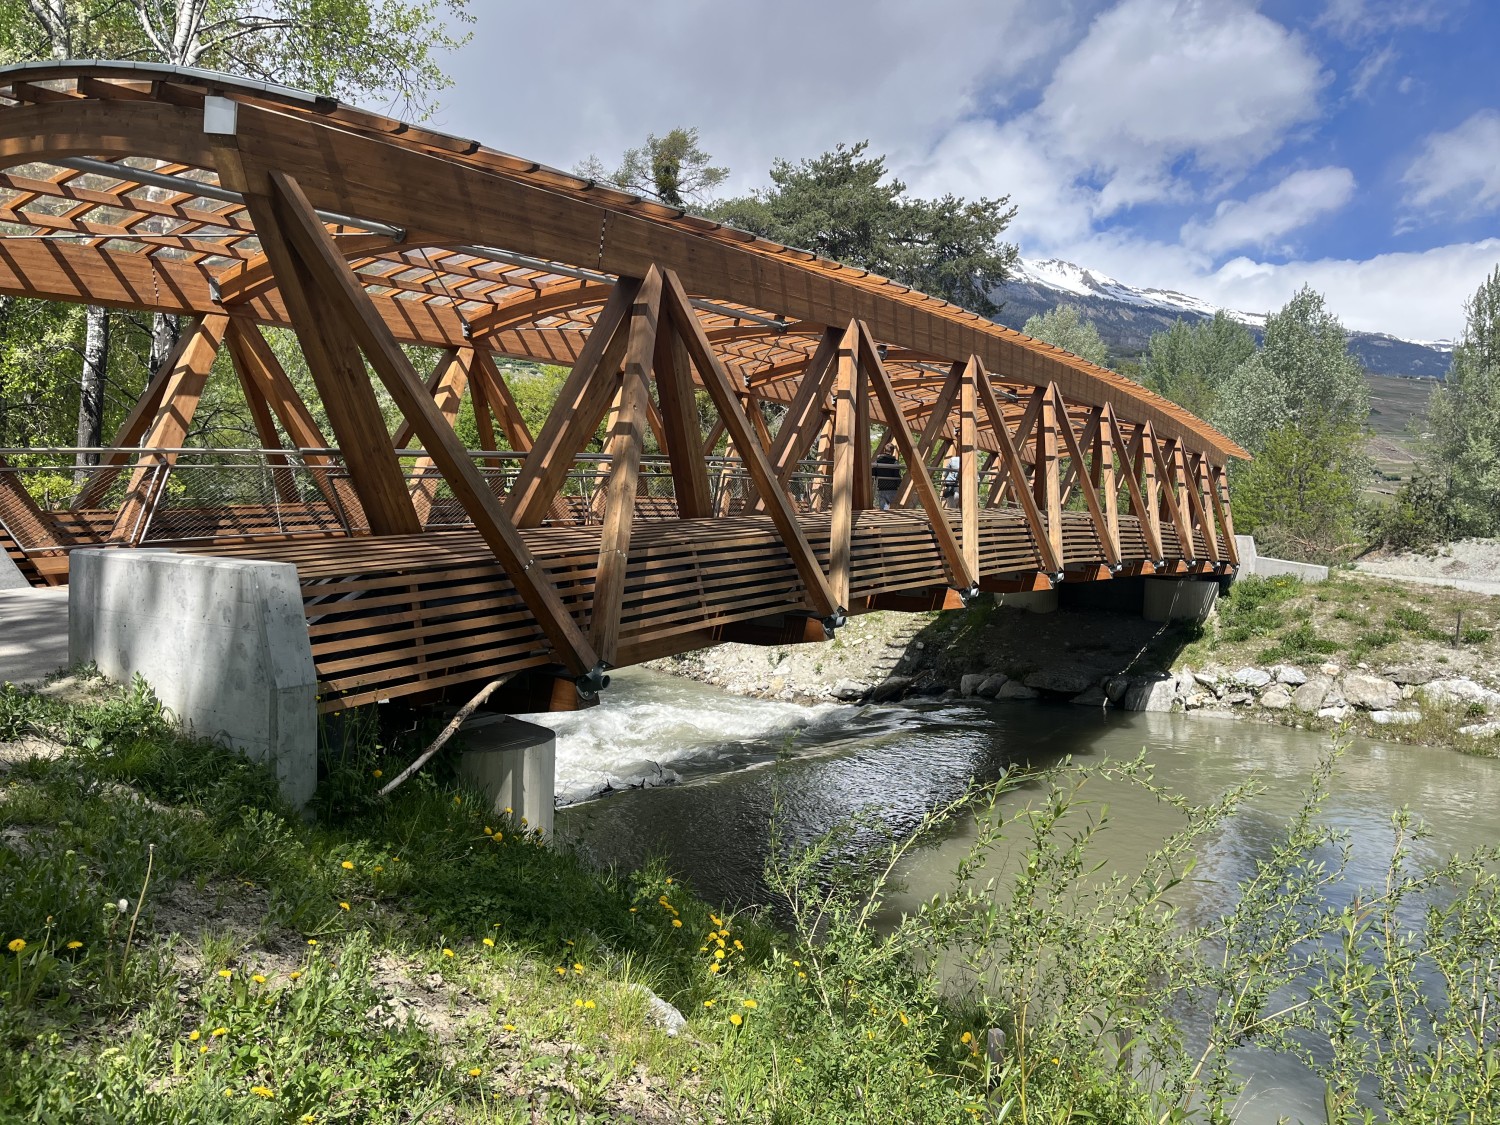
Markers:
point(514, 763)
point(1179, 599)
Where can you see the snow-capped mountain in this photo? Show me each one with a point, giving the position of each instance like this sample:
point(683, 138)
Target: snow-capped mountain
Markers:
point(1127, 317)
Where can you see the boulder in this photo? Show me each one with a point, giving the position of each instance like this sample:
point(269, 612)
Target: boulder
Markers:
point(1091, 697)
point(1482, 730)
point(1330, 670)
point(969, 685)
point(1150, 694)
point(1239, 698)
point(991, 685)
point(1289, 674)
point(849, 690)
point(1396, 718)
point(1014, 689)
point(1461, 691)
point(1252, 677)
point(890, 688)
point(1408, 675)
point(1207, 679)
point(1310, 696)
point(1370, 693)
point(1065, 680)
point(1337, 714)
point(1277, 698)
point(1115, 688)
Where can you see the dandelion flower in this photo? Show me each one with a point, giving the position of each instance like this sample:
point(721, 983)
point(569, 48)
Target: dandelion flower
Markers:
point(307, 1119)
point(312, 941)
point(475, 1072)
point(904, 1021)
point(718, 955)
point(509, 1026)
point(347, 865)
point(377, 869)
point(716, 920)
point(75, 945)
point(294, 974)
point(378, 773)
point(577, 1003)
point(225, 973)
point(219, 1032)
point(194, 1035)
point(715, 967)
point(577, 968)
point(228, 1093)
point(709, 1003)
point(801, 976)
point(448, 953)
point(489, 941)
point(508, 810)
point(560, 971)
point(739, 945)
point(677, 923)
point(589, 1004)
point(749, 1004)
point(263, 1091)
point(796, 964)
point(966, 1037)
point(736, 1019)
point(16, 945)
point(203, 1050)
point(488, 831)
point(259, 978)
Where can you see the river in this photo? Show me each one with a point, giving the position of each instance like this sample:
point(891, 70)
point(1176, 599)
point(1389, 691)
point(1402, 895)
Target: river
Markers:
point(740, 760)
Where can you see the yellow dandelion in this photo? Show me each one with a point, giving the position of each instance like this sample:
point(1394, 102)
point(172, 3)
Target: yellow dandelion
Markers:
point(307, 1119)
point(523, 822)
point(228, 1093)
point(225, 973)
point(560, 971)
point(709, 1003)
point(378, 773)
point(749, 1004)
point(259, 978)
point(475, 1072)
point(194, 1035)
point(577, 968)
point(508, 810)
point(577, 1003)
point(715, 967)
point(632, 910)
point(716, 920)
point(347, 865)
point(343, 906)
point(448, 953)
point(312, 941)
point(966, 1037)
point(677, 923)
point(589, 1004)
point(801, 976)
point(509, 1026)
point(499, 837)
point(458, 800)
point(489, 941)
point(796, 964)
point(669, 880)
point(219, 1032)
point(1057, 1062)
point(736, 1019)
point(904, 1021)
point(738, 945)
point(718, 955)
point(203, 1050)
point(488, 831)
point(75, 945)
point(263, 1091)
point(294, 974)
point(377, 869)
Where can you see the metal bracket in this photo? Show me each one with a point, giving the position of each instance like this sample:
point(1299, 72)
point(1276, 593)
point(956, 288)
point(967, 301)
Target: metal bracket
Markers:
point(593, 681)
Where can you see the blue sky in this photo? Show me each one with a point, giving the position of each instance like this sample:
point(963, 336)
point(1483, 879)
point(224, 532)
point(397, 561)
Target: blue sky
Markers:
point(1228, 149)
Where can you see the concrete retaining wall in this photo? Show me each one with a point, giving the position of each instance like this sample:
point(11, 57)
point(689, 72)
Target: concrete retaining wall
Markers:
point(1179, 599)
point(222, 642)
point(1252, 562)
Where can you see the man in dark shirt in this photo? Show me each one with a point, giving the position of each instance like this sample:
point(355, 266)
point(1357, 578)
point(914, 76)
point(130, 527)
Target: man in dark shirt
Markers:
point(887, 474)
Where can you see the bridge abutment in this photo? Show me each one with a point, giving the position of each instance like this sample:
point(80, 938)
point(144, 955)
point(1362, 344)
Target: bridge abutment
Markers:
point(1179, 599)
point(222, 642)
point(514, 763)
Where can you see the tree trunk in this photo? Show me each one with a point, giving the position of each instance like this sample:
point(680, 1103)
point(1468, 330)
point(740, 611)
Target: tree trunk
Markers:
point(165, 330)
point(91, 386)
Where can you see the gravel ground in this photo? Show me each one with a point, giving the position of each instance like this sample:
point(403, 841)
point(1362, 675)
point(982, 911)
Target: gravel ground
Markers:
point(1469, 564)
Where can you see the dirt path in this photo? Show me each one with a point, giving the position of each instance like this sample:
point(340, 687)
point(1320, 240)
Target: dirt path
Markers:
point(1469, 564)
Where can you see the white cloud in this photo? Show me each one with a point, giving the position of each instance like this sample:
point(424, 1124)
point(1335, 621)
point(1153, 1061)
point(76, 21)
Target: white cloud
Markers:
point(1457, 172)
point(1357, 20)
point(1155, 82)
point(1263, 219)
point(1370, 68)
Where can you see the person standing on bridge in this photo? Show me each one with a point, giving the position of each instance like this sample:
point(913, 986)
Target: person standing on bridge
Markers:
point(950, 477)
point(887, 474)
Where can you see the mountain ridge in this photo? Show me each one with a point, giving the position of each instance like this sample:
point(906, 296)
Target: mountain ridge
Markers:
point(1127, 316)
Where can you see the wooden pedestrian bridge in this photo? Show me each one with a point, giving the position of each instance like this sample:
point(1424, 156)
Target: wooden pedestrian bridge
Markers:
point(704, 475)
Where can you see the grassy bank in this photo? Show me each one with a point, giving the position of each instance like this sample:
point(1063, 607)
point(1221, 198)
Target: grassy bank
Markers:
point(175, 946)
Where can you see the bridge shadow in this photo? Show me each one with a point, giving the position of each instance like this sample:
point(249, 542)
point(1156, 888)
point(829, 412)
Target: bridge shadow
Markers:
point(1075, 642)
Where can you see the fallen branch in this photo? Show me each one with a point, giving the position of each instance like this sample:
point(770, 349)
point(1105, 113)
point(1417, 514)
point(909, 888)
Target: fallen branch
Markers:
point(449, 731)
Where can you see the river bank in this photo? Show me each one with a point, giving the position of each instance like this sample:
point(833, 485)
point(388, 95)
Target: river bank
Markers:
point(1406, 664)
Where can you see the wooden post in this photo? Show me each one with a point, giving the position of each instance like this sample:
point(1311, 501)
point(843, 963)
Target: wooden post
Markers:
point(447, 384)
point(487, 379)
point(1138, 469)
point(1104, 471)
point(1219, 494)
point(1171, 491)
point(845, 464)
point(624, 469)
point(314, 248)
point(1197, 485)
point(679, 408)
point(265, 429)
point(968, 473)
point(1045, 472)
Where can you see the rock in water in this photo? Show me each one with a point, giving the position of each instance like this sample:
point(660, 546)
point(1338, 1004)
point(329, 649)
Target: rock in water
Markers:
point(1063, 681)
point(970, 684)
point(1370, 693)
point(1091, 697)
point(1277, 698)
point(1396, 718)
point(1014, 689)
point(890, 688)
point(992, 685)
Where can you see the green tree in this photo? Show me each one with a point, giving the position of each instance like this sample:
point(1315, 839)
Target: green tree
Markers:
point(1300, 406)
point(1462, 450)
point(673, 169)
point(1067, 328)
point(1190, 363)
point(844, 205)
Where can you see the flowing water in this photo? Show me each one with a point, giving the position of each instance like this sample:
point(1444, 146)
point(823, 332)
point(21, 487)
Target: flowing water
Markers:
point(741, 760)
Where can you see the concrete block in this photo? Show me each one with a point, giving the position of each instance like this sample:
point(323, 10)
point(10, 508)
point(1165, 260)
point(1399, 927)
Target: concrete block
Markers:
point(514, 763)
point(222, 642)
point(1253, 562)
point(1179, 599)
point(11, 577)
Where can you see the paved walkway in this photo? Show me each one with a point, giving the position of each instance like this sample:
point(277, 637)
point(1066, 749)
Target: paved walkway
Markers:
point(33, 634)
